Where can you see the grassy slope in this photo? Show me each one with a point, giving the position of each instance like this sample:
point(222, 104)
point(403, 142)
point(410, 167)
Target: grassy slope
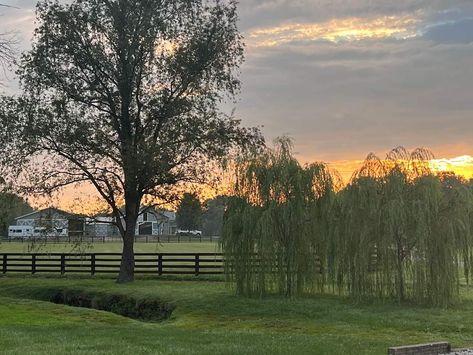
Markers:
point(18, 247)
point(209, 319)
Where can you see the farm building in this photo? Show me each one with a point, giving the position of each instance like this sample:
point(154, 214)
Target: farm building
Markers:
point(48, 222)
point(150, 222)
point(156, 222)
point(101, 226)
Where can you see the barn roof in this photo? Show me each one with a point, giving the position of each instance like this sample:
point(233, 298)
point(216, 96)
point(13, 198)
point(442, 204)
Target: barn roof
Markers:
point(54, 209)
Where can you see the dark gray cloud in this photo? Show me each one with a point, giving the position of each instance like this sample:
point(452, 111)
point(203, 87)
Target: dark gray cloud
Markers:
point(342, 99)
point(260, 13)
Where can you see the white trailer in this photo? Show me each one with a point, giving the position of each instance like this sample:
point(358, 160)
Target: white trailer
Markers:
point(24, 232)
point(20, 231)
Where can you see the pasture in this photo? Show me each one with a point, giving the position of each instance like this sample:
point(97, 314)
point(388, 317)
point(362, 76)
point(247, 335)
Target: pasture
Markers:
point(210, 319)
point(110, 247)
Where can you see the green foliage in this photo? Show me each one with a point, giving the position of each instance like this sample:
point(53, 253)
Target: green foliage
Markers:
point(125, 95)
point(11, 206)
point(404, 230)
point(189, 212)
point(125, 305)
point(276, 226)
point(396, 231)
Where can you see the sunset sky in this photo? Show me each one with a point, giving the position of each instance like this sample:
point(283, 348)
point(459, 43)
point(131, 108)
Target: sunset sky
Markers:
point(349, 77)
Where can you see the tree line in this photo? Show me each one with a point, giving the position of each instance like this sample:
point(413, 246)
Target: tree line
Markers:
point(397, 230)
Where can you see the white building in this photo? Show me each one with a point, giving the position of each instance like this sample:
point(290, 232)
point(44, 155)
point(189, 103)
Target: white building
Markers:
point(156, 222)
point(150, 222)
point(47, 222)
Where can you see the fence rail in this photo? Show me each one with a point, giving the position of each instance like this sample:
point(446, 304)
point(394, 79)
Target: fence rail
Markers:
point(114, 239)
point(101, 263)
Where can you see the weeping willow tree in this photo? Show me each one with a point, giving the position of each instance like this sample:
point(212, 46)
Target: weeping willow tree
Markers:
point(276, 227)
point(403, 231)
point(397, 231)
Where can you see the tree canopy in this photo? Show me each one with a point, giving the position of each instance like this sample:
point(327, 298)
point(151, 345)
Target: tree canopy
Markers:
point(396, 231)
point(276, 225)
point(11, 206)
point(189, 212)
point(125, 95)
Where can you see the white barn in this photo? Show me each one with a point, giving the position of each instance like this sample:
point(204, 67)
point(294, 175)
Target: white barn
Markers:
point(156, 222)
point(151, 222)
point(50, 221)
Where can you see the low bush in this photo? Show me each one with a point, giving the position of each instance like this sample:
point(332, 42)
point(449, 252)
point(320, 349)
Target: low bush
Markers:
point(143, 309)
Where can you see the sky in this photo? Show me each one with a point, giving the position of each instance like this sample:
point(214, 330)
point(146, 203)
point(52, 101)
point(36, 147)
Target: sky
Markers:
point(347, 77)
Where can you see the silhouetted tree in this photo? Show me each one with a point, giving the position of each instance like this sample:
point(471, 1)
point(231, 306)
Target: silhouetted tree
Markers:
point(11, 206)
point(124, 94)
point(189, 212)
point(212, 219)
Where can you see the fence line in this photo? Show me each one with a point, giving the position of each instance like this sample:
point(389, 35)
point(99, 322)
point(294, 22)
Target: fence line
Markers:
point(99, 263)
point(115, 239)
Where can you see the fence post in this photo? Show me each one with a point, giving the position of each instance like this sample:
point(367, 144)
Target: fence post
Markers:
point(196, 266)
point(5, 261)
point(160, 264)
point(63, 264)
point(33, 263)
point(92, 264)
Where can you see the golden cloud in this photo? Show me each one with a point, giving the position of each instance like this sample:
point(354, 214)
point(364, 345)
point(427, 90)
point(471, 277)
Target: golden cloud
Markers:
point(462, 166)
point(336, 30)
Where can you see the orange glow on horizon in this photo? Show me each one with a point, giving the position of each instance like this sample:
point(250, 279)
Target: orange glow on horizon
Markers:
point(461, 165)
point(84, 199)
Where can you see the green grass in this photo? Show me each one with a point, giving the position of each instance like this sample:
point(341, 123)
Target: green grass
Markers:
point(110, 247)
point(210, 319)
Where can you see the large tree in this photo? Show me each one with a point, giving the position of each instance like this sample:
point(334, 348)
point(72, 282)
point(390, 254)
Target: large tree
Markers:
point(126, 95)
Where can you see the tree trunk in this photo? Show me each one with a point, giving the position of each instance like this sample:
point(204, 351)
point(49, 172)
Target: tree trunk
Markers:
point(400, 273)
point(127, 265)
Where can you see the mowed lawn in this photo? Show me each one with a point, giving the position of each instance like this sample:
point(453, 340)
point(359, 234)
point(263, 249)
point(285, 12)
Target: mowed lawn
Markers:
point(210, 319)
point(110, 247)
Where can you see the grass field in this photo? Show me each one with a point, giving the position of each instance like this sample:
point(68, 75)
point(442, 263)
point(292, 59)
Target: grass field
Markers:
point(210, 319)
point(111, 247)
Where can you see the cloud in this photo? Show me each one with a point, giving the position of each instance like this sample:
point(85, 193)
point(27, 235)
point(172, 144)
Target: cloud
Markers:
point(452, 32)
point(336, 30)
point(346, 77)
point(343, 100)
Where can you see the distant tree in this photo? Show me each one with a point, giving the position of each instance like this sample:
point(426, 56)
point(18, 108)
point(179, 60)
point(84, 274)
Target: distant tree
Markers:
point(11, 206)
point(212, 219)
point(125, 95)
point(189, 212)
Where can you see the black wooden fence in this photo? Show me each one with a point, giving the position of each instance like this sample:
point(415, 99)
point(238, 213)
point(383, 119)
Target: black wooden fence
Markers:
point(100, 263)
point(114, 239)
